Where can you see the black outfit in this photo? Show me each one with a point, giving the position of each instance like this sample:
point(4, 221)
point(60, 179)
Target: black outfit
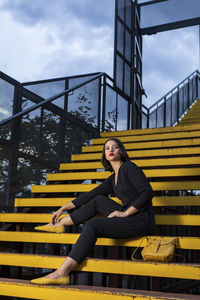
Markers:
point(133, 189)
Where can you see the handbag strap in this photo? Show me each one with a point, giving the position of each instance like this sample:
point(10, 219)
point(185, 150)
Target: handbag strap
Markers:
point(132, 256)
point(181, 256)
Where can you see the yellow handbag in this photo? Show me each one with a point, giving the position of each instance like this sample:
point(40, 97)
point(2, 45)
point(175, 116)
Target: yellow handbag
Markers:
point(158, 249)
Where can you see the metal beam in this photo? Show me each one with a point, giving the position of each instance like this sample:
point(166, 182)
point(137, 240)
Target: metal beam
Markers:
point(151, 2)
point(170, 26)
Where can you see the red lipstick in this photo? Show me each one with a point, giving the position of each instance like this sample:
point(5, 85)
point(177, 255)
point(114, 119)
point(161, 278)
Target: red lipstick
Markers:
point(111, 154)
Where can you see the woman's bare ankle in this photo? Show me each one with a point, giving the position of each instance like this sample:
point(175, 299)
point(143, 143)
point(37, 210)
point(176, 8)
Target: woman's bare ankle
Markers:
point(57, 274)
point(66, 221)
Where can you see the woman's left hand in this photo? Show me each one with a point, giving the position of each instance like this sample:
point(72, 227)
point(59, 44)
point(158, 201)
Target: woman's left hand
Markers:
point(117, 213)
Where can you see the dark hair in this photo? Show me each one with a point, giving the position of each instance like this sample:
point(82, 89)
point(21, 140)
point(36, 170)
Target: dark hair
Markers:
point(124, 154)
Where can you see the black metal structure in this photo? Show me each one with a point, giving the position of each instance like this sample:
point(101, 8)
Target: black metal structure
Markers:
point(130, 26)
point(175, 15)
point(43, 131)
point(128, 57)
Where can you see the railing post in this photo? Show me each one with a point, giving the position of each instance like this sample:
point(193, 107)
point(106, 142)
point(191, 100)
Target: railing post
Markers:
point(188, 98)
point(104, 103)
point(197, 86)
point(157, 116)
point(164, 120)
point(177, 99)
point(171, 108)
point(13, 150)
point(99, 107)
point(147, 118)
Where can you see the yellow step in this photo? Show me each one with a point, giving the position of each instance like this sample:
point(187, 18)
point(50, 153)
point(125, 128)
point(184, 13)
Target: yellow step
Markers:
point(150, 131)
point(156, 162)
point(182, 124)
point(103, 175)
point(128, 267)
point(154, 137)
point(71, 238)
point(157, 201)
point(190, 120)
point(191, 115)
point(149, 145)
point(144, 153)
point(188, 220)
point(21, 288)
point(157, 186)
point(194, 109)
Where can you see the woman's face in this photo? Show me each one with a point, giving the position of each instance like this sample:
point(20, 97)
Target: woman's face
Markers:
point(112, 151)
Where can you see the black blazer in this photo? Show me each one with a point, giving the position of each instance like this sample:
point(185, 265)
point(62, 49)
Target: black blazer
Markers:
point(132, 188)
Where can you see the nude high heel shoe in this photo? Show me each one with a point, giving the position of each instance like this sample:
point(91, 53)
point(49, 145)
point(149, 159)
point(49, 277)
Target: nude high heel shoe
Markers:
point(57, 229)
point(47, 281)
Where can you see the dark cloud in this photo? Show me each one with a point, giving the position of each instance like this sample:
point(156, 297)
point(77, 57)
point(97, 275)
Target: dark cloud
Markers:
point(76, 37)
point(27, 12)
point(95, 13)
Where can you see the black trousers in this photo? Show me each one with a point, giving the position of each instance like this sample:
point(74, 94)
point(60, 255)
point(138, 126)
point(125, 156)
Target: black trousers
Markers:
point(117, 227)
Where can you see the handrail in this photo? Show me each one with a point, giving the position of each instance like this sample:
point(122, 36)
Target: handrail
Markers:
point(48, 100)
point(58, 79)
point(156, 103)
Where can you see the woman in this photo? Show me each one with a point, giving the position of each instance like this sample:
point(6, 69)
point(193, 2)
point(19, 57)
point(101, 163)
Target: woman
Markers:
point(135, 217)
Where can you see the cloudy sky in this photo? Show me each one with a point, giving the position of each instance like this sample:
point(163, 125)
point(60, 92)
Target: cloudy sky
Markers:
point(46, 38)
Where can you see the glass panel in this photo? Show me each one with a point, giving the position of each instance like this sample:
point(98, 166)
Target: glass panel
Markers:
point(128, 13)
point(30, 133)
point(174, 108)
point(5, 131)
point(138, 118)
point(181, 102)
point(121, 5)
point(198, 86)
point(120, 37)
point(169, 11)
point(191, 91)
point(29, 173)
point(3, 174)
point(127, 80)
point(50, 136)
point(110, 110)
point(185, 97)
point(122, 109)
point(144, 121)
point(119, 72)
point(83, 103)
point(160, 116)
point(128, 45)
point(75, 138)
point(77, 80)
point(194, 88)
point(49, 89)
point(168, 111)
point(26, 103)
point(152, 119)
point(43, 140)
point(6, 99)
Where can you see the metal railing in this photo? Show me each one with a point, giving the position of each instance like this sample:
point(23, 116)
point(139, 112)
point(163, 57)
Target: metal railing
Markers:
point(41, 131)
point(168, 110)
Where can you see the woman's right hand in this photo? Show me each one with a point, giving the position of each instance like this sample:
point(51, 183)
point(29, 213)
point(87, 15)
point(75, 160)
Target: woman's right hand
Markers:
point(56, 215)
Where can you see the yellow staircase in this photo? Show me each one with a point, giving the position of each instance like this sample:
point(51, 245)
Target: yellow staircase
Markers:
point(170, 158)
point(192, 116)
